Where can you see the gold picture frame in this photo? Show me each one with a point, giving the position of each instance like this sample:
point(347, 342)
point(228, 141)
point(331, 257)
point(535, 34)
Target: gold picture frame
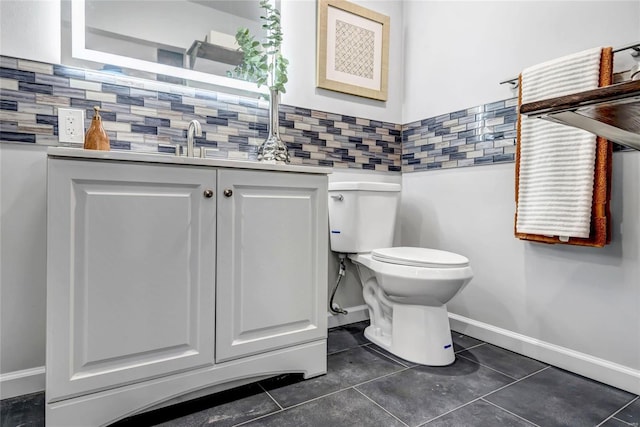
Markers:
point(353, 49)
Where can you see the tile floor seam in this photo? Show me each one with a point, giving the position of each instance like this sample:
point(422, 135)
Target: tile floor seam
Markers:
point(448, 412)
point(347, 349)
point(488, 367)
point(269, 394)
point(380, 406)
point(380, 377)
point(288, 408)
point(469, 348)
point(515, 382)
point(478, 400)
point(618, 411)
point(324, 395)
point(310, 400)
point(622, 421)
point(509, 412)
point(318, 398)
point(482, 398)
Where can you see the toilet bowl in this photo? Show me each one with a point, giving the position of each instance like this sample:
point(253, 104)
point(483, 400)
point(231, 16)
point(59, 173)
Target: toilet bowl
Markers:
point(406, 301)
point(405, 288)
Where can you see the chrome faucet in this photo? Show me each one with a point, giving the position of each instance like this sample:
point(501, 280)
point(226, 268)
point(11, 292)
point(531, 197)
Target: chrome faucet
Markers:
point(194, 129)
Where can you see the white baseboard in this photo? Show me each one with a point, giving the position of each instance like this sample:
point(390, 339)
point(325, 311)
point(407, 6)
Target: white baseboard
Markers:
point(355, 314)
point(583, 364)
point(22, 382)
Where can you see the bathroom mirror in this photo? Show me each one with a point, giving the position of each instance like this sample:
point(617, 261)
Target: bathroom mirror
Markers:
point(189, 42)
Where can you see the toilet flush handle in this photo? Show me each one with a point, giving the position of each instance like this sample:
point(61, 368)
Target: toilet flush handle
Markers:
point(338, 197)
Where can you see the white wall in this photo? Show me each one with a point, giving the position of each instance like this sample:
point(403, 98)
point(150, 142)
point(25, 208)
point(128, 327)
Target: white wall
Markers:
point(299, 26)
point(585, 301)
point(456, 53)
point(23, 261)
point(30, 29)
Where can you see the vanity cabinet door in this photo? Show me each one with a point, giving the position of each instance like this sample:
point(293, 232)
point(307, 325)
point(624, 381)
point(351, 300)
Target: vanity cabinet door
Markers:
point(130, 273)
point(272, 261)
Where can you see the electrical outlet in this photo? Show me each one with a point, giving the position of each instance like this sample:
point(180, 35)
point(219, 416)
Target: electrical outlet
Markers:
point(71, 125)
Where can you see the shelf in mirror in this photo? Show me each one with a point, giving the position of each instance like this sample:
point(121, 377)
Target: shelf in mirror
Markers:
point(213, 52)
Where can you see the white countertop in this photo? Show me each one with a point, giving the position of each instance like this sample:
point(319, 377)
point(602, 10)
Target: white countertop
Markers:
point(132, 156)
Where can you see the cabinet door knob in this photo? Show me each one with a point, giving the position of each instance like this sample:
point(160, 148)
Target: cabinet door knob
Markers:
point(208, 193)
point(228, 193)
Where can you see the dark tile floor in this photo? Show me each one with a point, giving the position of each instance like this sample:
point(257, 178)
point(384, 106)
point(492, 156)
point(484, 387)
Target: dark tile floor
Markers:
point(366, 386)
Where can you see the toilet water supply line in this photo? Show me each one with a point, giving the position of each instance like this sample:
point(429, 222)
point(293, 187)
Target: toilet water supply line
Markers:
point(334, 308)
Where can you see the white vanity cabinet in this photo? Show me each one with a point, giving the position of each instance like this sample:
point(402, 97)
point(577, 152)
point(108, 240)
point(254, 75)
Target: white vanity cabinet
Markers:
point(130, 273)
point(271, 278)
point(169, 281)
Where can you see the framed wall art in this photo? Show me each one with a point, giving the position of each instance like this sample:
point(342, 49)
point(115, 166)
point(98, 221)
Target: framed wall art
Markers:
point(353, 49)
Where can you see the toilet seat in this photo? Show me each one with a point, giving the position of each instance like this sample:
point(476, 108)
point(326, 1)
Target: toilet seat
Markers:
point(419, 257)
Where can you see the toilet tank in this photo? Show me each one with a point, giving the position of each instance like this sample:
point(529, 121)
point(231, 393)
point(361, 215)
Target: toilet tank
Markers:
point(362, 215)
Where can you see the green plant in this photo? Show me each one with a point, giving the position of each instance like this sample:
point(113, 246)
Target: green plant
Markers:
point(263, 62)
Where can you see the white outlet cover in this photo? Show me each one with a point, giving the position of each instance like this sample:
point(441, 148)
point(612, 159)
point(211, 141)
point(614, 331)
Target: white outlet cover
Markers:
point(71, 125)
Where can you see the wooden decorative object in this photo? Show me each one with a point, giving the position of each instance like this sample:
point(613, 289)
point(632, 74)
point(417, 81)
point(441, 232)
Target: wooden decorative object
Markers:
point(96, 138)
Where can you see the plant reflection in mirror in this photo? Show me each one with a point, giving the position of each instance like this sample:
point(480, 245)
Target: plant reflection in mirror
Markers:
point(263, 62)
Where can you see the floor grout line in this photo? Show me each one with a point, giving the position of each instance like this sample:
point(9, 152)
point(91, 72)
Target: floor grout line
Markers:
point(488, 367)
point(380, 406)
point(348, 348)
point(449, 411)
point(269, 394)
point(380, 377)
point(517, 381)
point(485, 395)
point(617, 412)
point(634, 424)
point(324, 395)
point(509, 412)
point(295, 406)
point(469, 348)
point(622, 421)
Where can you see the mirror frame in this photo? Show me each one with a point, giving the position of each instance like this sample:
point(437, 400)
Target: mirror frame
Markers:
point(79, 51)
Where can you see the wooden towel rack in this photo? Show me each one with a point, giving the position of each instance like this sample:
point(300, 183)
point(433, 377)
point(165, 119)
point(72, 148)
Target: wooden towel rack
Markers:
point(612, 112)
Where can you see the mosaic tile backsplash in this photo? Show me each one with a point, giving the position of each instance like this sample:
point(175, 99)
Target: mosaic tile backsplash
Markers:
point(147, 116)
point(475, 136)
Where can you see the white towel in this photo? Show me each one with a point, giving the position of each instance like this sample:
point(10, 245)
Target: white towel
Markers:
point(557, 162)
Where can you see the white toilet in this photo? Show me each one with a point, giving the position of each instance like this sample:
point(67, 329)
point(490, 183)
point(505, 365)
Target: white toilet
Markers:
point(405, 288)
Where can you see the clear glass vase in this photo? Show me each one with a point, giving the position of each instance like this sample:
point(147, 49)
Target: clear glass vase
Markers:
point(273, 149)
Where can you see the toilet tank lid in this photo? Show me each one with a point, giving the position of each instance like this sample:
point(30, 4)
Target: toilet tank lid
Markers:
point(363, 186)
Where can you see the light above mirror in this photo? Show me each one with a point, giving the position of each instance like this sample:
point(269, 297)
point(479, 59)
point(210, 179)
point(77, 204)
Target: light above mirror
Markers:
point(179, 41)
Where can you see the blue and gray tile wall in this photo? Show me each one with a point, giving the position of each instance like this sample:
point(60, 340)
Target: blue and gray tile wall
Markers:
point(144, 115)
point(480, 135)
point(147, 116)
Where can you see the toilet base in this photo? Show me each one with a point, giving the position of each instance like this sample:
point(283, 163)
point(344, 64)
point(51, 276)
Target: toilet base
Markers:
point(420, 334)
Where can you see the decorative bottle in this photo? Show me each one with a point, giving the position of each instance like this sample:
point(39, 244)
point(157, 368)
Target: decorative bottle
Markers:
point(96, 138)
point(273, 149)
